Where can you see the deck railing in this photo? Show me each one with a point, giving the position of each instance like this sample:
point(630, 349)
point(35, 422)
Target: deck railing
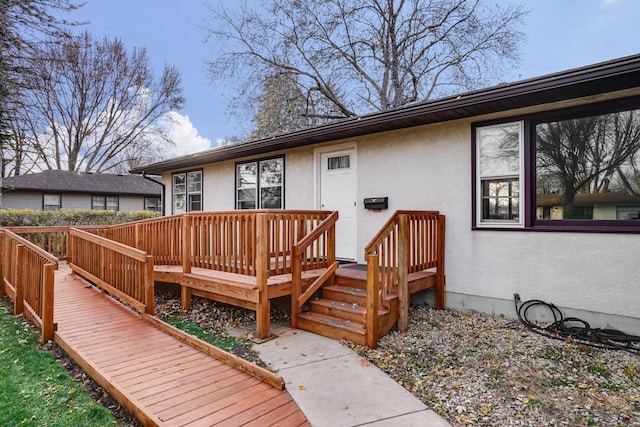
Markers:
point(27, 274)
point(159, 237)
point(121, 270)
point(410, 241)
point(317, 249)
point(52, 239)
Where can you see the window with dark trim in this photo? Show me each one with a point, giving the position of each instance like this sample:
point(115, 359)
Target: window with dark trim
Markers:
point(579, 170)
point(101, 203)
point(260, 184)
point(187, 191)
point(152, 204)
point(51, 202)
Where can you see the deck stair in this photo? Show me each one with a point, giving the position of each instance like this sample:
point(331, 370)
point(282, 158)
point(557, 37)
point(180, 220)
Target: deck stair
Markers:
point(340, 311)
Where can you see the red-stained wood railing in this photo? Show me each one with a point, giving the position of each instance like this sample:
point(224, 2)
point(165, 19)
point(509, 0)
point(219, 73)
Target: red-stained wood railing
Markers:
point(409, 242)
point(316, 249)
point(223, 241)
point(52, 239)
point(27, 274)
point(159, 237)
point(287, 229)
point(118, 269)
point(228, 241)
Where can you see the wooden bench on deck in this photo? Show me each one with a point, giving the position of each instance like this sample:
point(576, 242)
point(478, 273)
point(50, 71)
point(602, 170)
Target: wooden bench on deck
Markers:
point(229, 288)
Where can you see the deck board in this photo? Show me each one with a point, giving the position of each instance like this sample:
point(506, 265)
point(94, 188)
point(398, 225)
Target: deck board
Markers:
point(156, 377)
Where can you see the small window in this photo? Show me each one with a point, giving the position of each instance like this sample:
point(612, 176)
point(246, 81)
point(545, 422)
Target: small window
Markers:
point(259, 184)
point(101, 203)
point(339, 162)
point(187, 192)
point(152, 204)
point(51, 202)
point(499, 168)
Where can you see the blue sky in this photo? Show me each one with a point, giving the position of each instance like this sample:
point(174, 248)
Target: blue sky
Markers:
point(561, 34)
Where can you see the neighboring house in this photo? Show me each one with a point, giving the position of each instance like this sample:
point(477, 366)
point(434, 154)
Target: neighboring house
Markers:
point(59, 189)
point(515, 168)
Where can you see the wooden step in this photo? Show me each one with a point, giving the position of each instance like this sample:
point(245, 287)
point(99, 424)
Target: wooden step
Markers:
point(346, 294)
point(332, 327)
point(352, 280)
point(341, 309)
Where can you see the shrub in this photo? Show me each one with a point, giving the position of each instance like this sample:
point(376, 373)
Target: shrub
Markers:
point(28, 217)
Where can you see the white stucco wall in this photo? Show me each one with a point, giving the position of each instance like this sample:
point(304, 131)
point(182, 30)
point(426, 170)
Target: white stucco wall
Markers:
point(429, 168)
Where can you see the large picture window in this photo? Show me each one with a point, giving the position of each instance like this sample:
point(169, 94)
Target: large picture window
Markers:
point(582, 170)
point(187, 191)
point(259, 184)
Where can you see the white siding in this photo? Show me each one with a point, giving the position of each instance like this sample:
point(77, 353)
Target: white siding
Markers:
point(20, 200)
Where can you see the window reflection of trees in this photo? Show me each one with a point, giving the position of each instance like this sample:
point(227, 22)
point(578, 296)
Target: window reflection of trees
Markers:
point(590, 155)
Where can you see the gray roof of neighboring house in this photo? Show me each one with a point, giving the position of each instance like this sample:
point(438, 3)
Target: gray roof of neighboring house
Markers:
point(61, 181)
point(604, 77)
point(587, 199)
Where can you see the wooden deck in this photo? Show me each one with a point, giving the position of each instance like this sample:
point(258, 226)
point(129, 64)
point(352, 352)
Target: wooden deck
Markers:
point(158, 378)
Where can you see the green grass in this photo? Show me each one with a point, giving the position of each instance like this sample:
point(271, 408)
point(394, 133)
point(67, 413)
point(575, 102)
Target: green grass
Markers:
point(35, 390)
point(224, 342)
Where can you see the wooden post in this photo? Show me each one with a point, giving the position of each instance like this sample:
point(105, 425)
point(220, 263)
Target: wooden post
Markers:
point(441, 287)
point(403, 265)
point(186, 244)
point(48, 274)
point(331, 250)
point(149, 292)
point(373, 299)
point(70, 247)
point(296, 286)
point(263, 328)
point(18, 302)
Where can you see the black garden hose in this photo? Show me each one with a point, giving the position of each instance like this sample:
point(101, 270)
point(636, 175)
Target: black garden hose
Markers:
point(573, 329)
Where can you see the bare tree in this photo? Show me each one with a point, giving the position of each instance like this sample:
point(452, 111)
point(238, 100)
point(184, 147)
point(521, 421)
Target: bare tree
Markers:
point(367, 55)
point(91, 105)
point(23, 24)
point(282, 107)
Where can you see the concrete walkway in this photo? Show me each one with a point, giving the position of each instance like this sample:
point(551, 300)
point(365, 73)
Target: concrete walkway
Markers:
point(334, 386)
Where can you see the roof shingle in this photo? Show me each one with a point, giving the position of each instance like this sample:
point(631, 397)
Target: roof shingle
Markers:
point(80, 182)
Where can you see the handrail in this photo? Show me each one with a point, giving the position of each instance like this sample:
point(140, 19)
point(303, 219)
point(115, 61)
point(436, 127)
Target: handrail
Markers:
point(109, 244)
point(27, 276)
point(52, 239)
point(307, 240)
point(410, 241)
point(33, 247)
point(120, 270)
point(391, 221)
point(325, 230)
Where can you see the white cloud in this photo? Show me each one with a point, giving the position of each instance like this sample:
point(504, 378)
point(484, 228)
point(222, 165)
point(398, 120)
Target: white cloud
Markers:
point(184, 135)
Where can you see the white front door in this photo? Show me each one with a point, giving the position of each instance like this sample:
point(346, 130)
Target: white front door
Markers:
point(338, 193)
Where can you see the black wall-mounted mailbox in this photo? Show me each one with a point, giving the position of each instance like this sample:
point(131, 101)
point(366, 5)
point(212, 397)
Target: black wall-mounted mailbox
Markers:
point(376, 203)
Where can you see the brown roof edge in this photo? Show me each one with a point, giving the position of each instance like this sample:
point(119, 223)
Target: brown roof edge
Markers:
point(533, 91)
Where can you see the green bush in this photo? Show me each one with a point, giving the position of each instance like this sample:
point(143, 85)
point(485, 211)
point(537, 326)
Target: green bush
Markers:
point(28, 217)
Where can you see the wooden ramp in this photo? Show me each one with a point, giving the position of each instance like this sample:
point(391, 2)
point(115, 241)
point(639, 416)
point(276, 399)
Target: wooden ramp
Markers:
point(158, 378)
